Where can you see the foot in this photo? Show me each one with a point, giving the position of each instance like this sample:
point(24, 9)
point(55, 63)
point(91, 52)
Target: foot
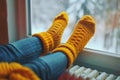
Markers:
point(59, 24)
point(52, 37)
point(84, 30)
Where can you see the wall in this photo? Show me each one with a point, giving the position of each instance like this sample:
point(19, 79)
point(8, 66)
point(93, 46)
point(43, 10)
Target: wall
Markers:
point(3, 23)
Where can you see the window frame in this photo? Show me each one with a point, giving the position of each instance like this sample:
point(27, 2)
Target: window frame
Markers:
point(15, 29)
point(89, 57)
point(21, 18)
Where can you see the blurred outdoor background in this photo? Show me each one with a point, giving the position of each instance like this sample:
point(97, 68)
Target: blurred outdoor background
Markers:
point(105, 12)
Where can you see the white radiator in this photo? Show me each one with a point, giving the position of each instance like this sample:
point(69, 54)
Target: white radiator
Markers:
point(83, 73)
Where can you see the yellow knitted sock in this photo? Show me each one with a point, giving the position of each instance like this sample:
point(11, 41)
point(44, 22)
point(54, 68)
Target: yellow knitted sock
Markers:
point(52, 37)
point(84, 30)
point(15, 71)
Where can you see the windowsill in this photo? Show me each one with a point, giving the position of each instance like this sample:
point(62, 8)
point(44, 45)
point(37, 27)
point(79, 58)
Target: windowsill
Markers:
point(102, 61)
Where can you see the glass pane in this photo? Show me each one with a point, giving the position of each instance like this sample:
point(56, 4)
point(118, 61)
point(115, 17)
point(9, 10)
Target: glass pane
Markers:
point(105, 12)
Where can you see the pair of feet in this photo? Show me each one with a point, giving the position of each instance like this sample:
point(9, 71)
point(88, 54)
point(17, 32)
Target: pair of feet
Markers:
point(84, 30)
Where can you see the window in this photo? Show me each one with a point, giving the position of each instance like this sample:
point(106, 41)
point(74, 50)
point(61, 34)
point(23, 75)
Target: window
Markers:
point(105, 12)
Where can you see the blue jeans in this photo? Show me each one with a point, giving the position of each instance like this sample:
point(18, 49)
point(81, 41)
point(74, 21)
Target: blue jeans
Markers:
point(21, 51)
point(49, 67)
point(27, 52)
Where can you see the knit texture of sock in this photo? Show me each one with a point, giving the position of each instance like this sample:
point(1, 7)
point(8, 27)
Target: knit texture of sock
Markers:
point(47, 40)
point(15, 71)
point(84, 30)
point(59, 24)
point(52, 37)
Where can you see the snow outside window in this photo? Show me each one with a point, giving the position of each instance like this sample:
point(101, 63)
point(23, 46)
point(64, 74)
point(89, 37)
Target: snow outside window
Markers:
point(105, 12)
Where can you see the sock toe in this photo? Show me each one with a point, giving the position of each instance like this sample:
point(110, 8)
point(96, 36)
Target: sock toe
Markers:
point(63, 15)
point(89, 23)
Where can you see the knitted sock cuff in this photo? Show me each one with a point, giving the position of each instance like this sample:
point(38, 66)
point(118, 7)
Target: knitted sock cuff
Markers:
point(68, 50)
point(15, 71)
point(47, 40)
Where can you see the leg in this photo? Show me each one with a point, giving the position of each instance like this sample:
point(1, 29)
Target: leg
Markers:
point(21, 51)
point(49, 67)
point(52, 37)
point(30, 48)
point(83, 32)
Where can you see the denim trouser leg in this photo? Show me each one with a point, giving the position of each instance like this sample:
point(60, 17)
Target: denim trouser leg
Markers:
point(21, 51)
point(49, 67)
